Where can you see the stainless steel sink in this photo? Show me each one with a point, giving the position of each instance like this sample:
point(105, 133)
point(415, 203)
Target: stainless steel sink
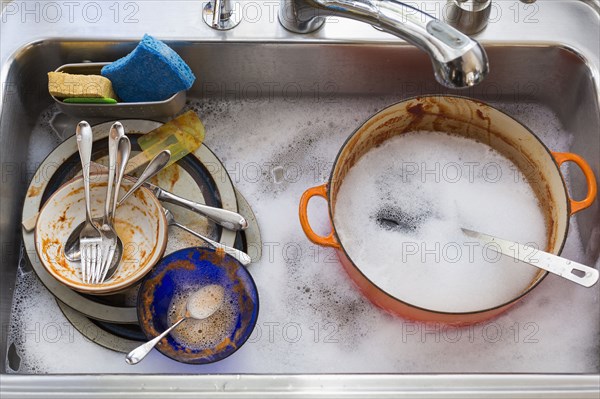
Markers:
point(265, 65)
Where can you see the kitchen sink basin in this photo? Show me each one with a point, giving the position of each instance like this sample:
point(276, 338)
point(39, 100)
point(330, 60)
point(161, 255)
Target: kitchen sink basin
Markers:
point(272, 104)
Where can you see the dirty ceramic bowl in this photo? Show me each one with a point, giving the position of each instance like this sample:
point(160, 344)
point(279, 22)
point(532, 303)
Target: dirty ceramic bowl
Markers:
point(163, 296)
point(139, 222)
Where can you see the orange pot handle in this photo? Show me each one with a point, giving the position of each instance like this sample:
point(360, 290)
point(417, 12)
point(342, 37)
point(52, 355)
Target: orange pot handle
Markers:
point(576, 206)
point(320, 191)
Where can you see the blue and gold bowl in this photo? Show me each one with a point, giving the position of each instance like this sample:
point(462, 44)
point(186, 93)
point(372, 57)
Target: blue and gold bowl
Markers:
point(186, 271)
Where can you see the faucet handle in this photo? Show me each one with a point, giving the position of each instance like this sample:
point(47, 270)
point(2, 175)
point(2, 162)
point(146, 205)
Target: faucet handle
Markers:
point(469, 16)
point(221, 14)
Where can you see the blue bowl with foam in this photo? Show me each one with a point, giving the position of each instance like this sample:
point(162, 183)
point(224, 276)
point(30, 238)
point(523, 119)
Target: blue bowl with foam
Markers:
point(162, 298)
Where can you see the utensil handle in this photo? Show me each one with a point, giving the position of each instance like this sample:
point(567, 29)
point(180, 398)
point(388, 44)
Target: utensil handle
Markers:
point(85, 141)
point(241, 256)
point(577, 206)
point(156, 165)
point(137, 161)
point(320, 191)
point(222, 217)
point(139, 353)
point(573, 271)
point(116, 131)
point(124, 149)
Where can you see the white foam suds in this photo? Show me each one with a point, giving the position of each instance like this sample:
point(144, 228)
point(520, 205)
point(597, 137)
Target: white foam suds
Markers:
point(206, 301)
point(312, 319)
point(400, 210)
point(215, 316)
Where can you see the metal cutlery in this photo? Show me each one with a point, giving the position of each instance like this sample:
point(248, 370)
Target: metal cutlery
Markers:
point(241, 256)
point(123, 151)
point(228, 219)
point(158, 163)
point(573, 271)
point(200, 305)
point(90, 238)
point(109, 236)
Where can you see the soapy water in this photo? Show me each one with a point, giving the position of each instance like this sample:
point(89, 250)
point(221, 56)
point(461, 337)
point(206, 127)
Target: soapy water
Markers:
point(312, 319)
point(199, 334)
point(400, 210)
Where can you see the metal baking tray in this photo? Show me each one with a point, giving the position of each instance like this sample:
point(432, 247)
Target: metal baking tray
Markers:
point(142, 110)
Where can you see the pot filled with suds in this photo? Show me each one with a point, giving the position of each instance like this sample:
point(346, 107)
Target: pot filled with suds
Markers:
point(405, 183)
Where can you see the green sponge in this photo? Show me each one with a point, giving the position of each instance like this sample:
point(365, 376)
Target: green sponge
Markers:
point(90, 100)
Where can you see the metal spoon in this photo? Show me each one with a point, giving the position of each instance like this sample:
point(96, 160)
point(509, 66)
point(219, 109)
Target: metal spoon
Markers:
point(157, 164)
point(71, 250)
point(241, 256)
point(200, 305)
point(110, 238)
point(124, 149)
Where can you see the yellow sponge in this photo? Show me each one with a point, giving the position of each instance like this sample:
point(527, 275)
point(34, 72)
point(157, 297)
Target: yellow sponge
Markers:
point(65, 85)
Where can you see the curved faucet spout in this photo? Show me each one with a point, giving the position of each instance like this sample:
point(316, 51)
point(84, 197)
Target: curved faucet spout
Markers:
point(458, 61)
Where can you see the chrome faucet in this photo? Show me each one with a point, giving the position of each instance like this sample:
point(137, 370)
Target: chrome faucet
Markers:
point(221, 14)
point(458, 60)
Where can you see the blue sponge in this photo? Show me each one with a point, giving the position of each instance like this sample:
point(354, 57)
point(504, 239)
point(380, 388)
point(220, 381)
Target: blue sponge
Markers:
point(151, 72)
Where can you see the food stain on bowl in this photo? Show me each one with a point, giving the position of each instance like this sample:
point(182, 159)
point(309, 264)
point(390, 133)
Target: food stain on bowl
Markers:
point(164, 294)
point(139, 222)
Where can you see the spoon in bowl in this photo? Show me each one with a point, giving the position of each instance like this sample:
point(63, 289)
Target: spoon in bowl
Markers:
point(123, 152)
point(200, 305)
point(71, 250)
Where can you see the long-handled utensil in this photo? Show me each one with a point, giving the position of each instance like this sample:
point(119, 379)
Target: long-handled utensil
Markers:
point(123, 151)
point(241, 256)
point(200, 305)
point(158, 163)
point(181, 136)
point(109, 235)
point(228, 219)
point(90, 238)
point(573, 271)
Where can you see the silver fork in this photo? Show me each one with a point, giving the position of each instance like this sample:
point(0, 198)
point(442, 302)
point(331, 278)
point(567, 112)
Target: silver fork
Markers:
point(90, 238)
point(109, 235)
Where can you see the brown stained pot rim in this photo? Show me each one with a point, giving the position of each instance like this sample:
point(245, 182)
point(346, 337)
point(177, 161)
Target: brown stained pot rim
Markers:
point(474, 312)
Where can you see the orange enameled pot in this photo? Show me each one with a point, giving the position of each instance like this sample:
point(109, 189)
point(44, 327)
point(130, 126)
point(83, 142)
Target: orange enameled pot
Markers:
point(470, 119)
